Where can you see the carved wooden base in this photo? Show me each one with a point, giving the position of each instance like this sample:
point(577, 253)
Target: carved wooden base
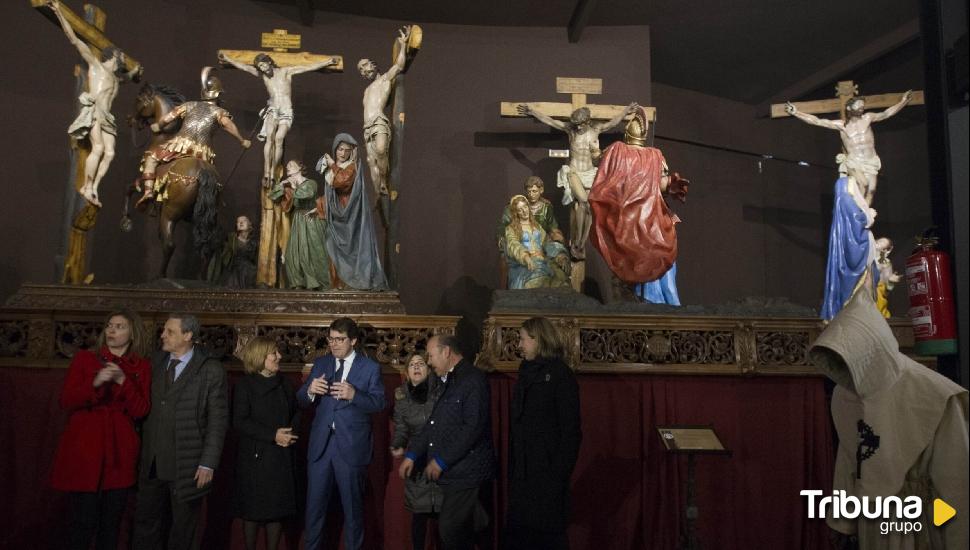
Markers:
point(670, 344)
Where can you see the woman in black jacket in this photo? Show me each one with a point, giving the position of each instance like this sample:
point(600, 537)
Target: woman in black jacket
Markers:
point(265, 415)
point(413, 402)
point(544, 440)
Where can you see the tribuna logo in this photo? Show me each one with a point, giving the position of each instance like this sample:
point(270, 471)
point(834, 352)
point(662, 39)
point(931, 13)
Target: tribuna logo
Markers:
point(839, 505)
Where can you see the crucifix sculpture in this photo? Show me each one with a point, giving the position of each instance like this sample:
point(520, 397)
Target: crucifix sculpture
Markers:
point(858, 158)
point(276, 69)
point(93, 131)
point(583, 123)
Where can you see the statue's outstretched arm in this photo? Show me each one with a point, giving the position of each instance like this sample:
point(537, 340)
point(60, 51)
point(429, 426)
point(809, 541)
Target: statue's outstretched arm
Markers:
point(404, 34)
point(526, 109)
point(812, 119)
point(82, 48)
point(907, 97)
point(226, 60)
point(299, 69)
point(618, 118)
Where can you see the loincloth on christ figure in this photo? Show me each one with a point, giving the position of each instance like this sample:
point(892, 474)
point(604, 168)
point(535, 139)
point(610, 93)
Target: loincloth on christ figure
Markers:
point(271, 119)
point(378, 125)
point(90, 114)
point(868, 165)
point(562, 180)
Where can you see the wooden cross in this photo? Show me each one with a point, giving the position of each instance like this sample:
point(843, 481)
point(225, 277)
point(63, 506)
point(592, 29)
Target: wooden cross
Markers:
point(81, 216)
point(578, 88)
point(274, 227)
point(844, 91)
point(91, 32)
point(281, 42)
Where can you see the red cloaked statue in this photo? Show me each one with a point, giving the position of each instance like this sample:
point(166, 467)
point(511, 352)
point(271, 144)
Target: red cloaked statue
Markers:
point(633, 228)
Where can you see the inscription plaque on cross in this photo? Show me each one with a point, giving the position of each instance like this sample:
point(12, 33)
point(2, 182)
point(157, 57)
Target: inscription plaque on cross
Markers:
point(276, 68)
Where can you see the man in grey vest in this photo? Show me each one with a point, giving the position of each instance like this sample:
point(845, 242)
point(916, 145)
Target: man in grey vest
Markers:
point(182, 438)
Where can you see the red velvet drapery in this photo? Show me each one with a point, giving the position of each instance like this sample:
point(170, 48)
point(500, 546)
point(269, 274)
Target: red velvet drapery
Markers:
point(627, 493)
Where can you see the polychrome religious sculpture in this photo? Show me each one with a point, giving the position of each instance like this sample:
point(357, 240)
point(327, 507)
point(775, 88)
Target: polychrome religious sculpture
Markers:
point(188, 182)
point(95, 121)
point(199, 121)
point(278, 115)
point(858, 159)
point(541, 211)
point(852, 248)
point(534, 259)
point(305, 255)
point(351, 240)
point(633, 228)
point(887, 276)
point(576, 177)
point(377, 127)
point(236, 265)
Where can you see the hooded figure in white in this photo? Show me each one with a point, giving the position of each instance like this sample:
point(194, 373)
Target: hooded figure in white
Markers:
point(902, 430)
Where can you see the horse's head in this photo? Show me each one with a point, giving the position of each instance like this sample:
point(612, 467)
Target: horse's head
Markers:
point(146, 106)
point(152, 103)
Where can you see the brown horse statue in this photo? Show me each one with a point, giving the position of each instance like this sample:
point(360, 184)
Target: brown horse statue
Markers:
point(192, 184)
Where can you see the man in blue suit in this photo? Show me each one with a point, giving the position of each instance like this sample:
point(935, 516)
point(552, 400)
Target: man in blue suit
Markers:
point(345, 387)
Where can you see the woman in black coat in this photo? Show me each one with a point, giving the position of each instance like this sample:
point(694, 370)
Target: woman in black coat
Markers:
point(413, 403)
point(265, 415)
point(544, 441)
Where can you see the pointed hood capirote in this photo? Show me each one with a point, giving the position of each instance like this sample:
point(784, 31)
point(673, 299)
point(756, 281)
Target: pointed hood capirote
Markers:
point(902, 427)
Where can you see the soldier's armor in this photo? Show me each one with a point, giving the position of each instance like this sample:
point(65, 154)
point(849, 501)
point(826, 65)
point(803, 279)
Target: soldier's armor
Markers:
point(200, 121)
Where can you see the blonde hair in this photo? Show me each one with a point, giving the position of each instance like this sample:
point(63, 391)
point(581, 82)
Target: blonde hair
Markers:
point(552, 344)
point(254, 353)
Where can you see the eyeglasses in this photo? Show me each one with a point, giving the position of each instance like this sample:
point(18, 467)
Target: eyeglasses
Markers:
point(337, 339)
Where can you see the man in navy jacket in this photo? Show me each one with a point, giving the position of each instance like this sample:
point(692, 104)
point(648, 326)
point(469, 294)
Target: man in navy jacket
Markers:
point(457, 444)
point(346, 388)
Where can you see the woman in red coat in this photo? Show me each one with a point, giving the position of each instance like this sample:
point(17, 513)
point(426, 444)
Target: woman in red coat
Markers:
point(105, 392)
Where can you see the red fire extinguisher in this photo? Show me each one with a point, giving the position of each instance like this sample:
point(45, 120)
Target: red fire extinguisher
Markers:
point(931, 307)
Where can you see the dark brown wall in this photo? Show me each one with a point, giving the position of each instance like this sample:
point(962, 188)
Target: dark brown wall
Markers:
point(745, 232)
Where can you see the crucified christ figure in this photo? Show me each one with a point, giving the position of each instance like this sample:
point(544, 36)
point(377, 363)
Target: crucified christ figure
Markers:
point(95, 120)
point(278, 117)
point(377, 127)
point(859, 160)
point(576, 178)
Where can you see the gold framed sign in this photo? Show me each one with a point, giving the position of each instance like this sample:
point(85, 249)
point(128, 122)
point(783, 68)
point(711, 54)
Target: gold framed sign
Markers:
point(691, 439)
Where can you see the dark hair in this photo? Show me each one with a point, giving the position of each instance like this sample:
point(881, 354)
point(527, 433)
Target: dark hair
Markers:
point(171, 94)
point(580, 116)
point(188, 323)
point(451, 342)
point(261, 57)
point(552, 345)
point(347, 326)
point(109, 52)
point(533, 181)
point(140, 343)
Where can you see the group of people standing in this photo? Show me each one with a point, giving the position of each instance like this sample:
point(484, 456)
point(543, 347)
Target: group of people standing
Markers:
point(442, 437)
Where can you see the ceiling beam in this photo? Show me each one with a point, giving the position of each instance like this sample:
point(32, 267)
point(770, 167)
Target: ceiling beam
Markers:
point(580, 18)
point(307, 12)
point(879, 47)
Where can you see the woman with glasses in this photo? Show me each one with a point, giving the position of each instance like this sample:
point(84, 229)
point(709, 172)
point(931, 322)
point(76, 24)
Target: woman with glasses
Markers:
point(413, 402)
point(107, 389)
point(265, 415)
